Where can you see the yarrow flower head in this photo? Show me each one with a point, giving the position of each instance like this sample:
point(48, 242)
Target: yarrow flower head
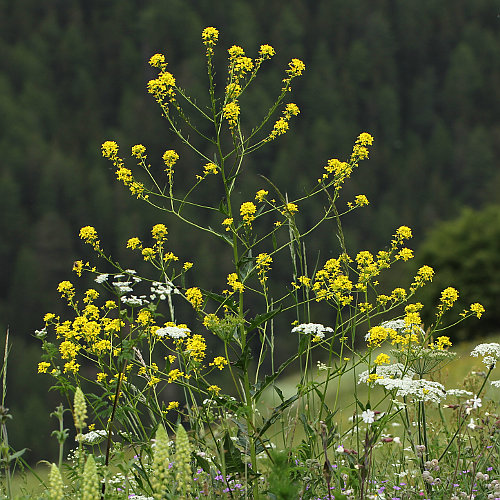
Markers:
point(173, 331)
point(490, 353)
point(317, 330)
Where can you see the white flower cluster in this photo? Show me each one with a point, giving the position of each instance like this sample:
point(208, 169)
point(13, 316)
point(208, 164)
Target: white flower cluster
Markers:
point(162, 290)
point(315, 329)
point(396, 370)
point(490, 353)
point(92, 437)
point(399, 378)
point(401, 327)
point(459, 393)
point(174, 332)
point(134, 301)
point(420, 389)
point(495, 383)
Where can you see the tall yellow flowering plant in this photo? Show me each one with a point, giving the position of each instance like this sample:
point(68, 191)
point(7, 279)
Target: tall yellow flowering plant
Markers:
point(125, 344)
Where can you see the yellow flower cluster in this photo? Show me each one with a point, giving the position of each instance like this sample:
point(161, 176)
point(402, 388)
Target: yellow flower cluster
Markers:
point(263, 262)
point(295, 68)
point(91, 331)
point(423, 276)
point(234, 283)
point(159, 232)
point(138, 151)
point(227, 222)
point(382, 359)
point(260, 195)
point(219, 362)
point(194, 297)
point(441, 344)
point(163, 87)
point(281, 126)
point(89, 235)
point(247, 211)
point(210, 168)
point(290, 209)
point(170, 157)
point(110, 151)
point(448, 297)
point(210, 36)
point(341, 171)
point(196, 347)
point(231, 113)
point(330, 283)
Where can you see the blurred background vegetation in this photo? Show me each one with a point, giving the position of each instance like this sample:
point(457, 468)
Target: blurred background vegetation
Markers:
point(422, 76)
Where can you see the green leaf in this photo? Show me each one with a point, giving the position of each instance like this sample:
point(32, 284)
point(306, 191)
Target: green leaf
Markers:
point(276, 413)
point(262, 318)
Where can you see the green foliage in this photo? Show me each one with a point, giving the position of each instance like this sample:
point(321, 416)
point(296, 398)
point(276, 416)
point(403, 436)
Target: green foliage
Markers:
point(465, 254)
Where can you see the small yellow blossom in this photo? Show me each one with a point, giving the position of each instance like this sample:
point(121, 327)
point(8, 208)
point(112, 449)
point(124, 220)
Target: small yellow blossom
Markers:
point(296, 67)
point(187, 265)
point(43, 366)
point(134, 243)
point(477, 309)
point(210, 36)
point(290, 208)
point(214, 389)
point(170, 157)
point(110, 149)
point(157, 61)
point(78, 267)
point(66, 289)
point(247, 211)
point(263, 263)
point(448, 297)
point(261, 194)
point(173, 405)
point(365, 139)
point(382, 359)
point(138, 151)
point(219, 362)
point(71, 367)
point(404, 254)
point(89, 235)
point(231, 113)
point(210, 168)
point(227, 223)
point(195, 297)
point(361, 200)
point(159, 232)
point(49, 317)
point(266, 51)
point(373, 377)
point(148, 253)
point(101, 377)
point(196, 347)
point(376, 335)
point(233, 282)
point(175, 374)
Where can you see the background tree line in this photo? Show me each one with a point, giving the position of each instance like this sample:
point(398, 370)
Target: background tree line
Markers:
point(421, 76)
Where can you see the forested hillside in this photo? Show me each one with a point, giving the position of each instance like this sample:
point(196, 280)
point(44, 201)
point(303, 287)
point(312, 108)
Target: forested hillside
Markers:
point(423, 77)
